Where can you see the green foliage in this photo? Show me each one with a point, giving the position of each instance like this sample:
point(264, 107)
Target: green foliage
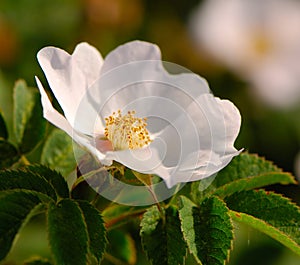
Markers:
point(162, 238)
point(67, 233)
point(35, 178)
point(254, 182)
point(95, 229)
point(20, 192)
point(270, 213)
point(15, 206)
point(122, 246)
point(207, 229)
point(29, 124)
point(267, 229)
point(53, 178)
point(3, 129)
point(25, 180)
point(240, 171)
point(72, 225)
point(200, 223)
point(116, 215)
point(58, 152)
point(8, 154)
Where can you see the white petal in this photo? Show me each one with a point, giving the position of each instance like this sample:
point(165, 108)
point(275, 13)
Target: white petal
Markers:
point(147, 160)
point(69, 85)
point(130, 52)
point(232, 122)
point(89, 144)
point(210, 163)
point(66, 80)
point(89, 60)
point(139, 80)
point(53, 116)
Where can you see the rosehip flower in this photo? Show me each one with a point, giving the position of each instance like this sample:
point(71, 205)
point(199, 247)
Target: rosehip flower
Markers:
point(128, 108)
point(258, 40)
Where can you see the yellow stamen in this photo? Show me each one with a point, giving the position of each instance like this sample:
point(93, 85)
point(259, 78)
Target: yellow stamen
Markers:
point(126, 131)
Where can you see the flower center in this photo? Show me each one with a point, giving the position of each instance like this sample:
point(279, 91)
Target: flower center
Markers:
point(126, 131)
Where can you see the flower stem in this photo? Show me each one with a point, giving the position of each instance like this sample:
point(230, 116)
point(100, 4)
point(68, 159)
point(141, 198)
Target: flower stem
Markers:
point(146, 179)
point(155, 198)
point(88, 175)
point(120, 218)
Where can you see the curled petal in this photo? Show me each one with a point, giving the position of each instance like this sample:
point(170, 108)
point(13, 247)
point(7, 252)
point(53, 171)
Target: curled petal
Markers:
point(53, 116)
point(68, 79)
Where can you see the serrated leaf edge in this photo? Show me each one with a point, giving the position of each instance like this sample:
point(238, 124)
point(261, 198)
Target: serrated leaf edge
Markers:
point(229, 218)
point(221, 191)
point(87, 231)
point(277, 235)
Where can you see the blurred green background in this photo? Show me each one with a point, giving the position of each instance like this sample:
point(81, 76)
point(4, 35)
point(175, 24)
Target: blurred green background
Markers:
point(28, 25)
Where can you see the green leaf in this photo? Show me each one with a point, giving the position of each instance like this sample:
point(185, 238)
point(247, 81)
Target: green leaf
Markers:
point(243, 166)
point(254, 182)
point(95, 228)
point(8, 154)
point(23, 105)
point(277, 214)
point(53, 177)
point(162, 237)
point(26, 180)
point(67, 233)
point(267, 229)
point(29, 124)
point(58, 152)
point(207, 229)
point(3, 129)
point(122, 246)
point(15, 206)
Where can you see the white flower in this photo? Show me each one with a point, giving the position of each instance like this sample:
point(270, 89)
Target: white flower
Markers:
point(259, 40)
point(128, 108)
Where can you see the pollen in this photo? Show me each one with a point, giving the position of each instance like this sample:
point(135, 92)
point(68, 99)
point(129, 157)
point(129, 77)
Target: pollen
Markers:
point(126, 131)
